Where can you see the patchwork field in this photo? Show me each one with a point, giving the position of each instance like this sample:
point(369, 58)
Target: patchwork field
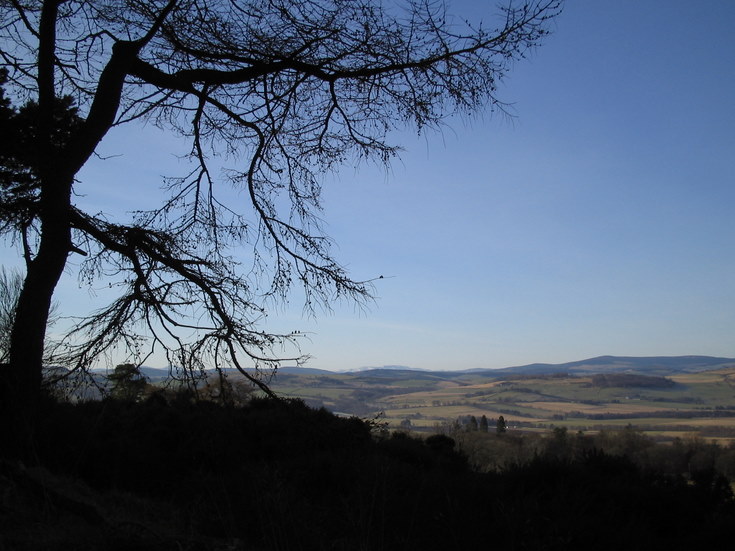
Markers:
point(681, 404)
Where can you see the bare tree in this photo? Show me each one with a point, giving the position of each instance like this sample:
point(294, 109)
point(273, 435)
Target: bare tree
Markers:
point(285, 90)
point(11, 284)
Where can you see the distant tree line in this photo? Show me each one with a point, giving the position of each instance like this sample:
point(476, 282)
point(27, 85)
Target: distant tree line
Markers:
point(494, 451)
point(624, 380)
point(669, 414)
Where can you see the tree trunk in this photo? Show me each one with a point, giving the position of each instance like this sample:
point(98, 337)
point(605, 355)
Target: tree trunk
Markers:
point(22, 386)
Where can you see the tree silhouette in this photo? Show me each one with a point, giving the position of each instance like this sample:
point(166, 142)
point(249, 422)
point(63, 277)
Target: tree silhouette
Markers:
point(128, 383)
point(472, 425)
point(282, 91)
point(11, 285)
point(20, 159)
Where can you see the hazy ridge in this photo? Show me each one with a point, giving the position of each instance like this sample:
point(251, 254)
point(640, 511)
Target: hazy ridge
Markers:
point(645, 365)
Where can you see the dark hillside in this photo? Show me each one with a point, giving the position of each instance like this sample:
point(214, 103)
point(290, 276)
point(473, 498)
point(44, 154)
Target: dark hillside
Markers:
point(279, 475)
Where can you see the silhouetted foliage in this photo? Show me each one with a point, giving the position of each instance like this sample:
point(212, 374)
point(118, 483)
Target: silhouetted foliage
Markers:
point(21, 160)
point(11, 284)
point(500, 425)
point(605, 380)
point(128, 383)
point(277, 474)
point(472, 425)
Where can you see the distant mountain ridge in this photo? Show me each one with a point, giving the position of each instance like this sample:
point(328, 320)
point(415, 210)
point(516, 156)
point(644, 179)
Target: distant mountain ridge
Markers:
point(642, 365)
point(645, 365)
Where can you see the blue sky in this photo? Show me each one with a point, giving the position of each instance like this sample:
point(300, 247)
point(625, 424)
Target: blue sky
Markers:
point(597, 221)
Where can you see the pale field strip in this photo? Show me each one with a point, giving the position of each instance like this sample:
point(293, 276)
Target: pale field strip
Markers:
point(698, 422)
point(707, 378)
point(669, 423)
point(557, 407)
point(450, 413)
point(723, 376)
point(446, 404)
point(449, 384)
point(445, 394)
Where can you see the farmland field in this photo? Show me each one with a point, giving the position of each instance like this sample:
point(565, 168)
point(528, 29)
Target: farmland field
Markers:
point(682, 404)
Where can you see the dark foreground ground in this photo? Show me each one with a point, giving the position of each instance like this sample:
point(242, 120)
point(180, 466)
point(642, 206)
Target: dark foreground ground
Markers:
point(276, 475)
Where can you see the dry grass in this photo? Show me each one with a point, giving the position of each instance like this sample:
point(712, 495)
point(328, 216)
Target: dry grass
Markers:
point(590, 409)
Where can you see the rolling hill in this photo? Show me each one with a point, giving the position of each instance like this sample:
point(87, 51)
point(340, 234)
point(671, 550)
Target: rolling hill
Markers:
point(667, 395)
